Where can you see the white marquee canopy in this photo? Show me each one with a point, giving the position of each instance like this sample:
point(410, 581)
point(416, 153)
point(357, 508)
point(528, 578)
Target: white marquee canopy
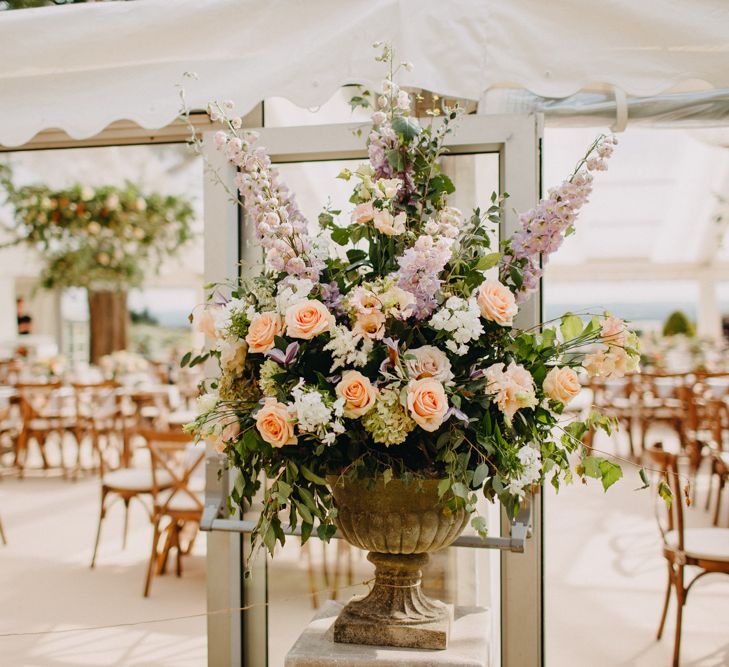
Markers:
point(79, 68)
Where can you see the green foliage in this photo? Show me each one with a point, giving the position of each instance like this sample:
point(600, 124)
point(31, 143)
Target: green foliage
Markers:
point(678, 323)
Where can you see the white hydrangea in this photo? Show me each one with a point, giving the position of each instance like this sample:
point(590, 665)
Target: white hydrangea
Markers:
point(461, 318)
point(291, 291)
point(531, 459)
point(348, 348)
point(223, 316)
point(316, 415)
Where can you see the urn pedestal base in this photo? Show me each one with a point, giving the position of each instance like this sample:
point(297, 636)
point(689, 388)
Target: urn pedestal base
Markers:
point(396, 612)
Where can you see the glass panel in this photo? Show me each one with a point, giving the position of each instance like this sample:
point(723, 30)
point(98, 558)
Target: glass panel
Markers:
point(465, 577)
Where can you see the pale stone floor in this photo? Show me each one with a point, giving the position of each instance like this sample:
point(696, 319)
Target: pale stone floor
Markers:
point(604, 585)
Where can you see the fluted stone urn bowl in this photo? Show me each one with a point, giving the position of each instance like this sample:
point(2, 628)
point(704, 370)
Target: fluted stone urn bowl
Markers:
point(399, 524)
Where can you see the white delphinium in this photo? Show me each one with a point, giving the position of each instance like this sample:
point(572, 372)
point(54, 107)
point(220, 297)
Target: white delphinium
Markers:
point(531, 459)
point(461, 318)
point(315, 414)
point(348, 348)
point(291, 291)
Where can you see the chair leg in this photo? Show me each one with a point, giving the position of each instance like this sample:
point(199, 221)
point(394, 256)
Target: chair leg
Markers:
point(126, 522)
point(102, 513)
point(152, 560)
point(666, 602)
point(164, 555)
point(2, 533)
point(719, 490)
point(680, 600)
point(709, 492)
point(178, 564)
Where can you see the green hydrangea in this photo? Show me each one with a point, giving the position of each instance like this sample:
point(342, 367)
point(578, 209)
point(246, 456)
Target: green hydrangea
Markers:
point(266, 383)
point(237, 388)
point(388, 422)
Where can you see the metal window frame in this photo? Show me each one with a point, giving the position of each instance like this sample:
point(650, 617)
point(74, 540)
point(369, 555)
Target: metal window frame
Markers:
point(517, 140)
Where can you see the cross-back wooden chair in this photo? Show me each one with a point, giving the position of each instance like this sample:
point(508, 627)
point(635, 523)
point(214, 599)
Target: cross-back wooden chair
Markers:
point(614, 398)
point(98, 414)
point(717, 416)
point(704, 548)
point(44, 411)
point(174, 456)
point(120, 482)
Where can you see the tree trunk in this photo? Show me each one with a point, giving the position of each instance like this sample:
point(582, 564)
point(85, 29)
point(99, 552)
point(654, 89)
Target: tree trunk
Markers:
point(108, 323)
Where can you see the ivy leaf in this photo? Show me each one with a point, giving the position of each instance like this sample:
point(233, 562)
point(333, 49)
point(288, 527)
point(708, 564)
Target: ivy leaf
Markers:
point(407, 128)
point(571, 327)
point(611, 473)
point(488, 261)
point(591, 467)
point(478, 523)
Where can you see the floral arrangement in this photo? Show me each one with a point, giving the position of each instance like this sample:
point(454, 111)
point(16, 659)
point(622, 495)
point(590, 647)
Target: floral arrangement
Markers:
point(96, 237)
point(53, 366)
point(122, 364)
point(386, 344)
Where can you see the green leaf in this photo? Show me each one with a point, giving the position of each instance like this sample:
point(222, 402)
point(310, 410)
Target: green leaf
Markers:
point(443, 487)
point(488, 261)
point(185, 359)
point(478, 523)
point(644, 478)
point(406, 127)
point(305, 513)
point(571, 327)
point(665, 492)
point(516, 276)
point(611, 473)
point(591, 465)
point(387, 476)
point(480, 475)
point(312, 477)
point(340, 235)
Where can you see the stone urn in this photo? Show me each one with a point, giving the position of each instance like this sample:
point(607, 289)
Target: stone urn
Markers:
point(399, 524)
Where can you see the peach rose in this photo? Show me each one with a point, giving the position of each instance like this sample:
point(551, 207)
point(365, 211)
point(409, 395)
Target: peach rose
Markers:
point(358, 393)
point(363, 213)
point(512, 387)
point(614, 331)
point(371, 325)
point(428, 361)
point(307, 319)
point(496, 302)
point(233, 356)
point(389, 225)
point(364, 300)
point(427, 402)
point(228, 433)
point(274, 423)
point(203, 320)
point(264, 327)
point(561, 384)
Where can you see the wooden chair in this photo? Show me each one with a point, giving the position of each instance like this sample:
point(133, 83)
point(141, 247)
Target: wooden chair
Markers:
point(44, 411)
point(704, 548)
point(175, 458)
point(119, 482)
point(717, 415)
point(98, 415)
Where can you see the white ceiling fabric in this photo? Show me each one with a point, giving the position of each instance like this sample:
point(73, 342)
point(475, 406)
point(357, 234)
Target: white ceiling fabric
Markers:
point(81, 67)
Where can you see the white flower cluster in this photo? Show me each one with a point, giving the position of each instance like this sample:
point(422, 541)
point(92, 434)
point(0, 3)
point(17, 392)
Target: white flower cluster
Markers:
point(222, 316)
point(292, 290)
point(315, 416)
point(531, 459)
point(461, 318)
point(348, 348)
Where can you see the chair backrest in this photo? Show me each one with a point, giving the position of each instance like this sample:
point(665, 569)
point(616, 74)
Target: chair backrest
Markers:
point(36, 398)
point(174, 459)
point(666, 464)
point(97, 399)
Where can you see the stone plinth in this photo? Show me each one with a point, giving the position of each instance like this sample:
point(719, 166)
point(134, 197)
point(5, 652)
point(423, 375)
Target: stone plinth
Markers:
point(468, 645)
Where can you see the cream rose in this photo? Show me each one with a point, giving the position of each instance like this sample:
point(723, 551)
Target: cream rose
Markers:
point(274, 423)
point(358, 393)
point(561, 384)
point(203, 320)
point(496, 303)
point(428, 361)
point(363, 213)
point(427, 403)
point(389, 225)
point(264, 327)
point(307, 319)
point(371, 325)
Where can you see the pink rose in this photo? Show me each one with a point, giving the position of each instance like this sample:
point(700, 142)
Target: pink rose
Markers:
point(275, 424)
point(203, 320)
point(512, 388)
point(496, 302)
point(307, 319)
point(561, 384)
point(358, 393)
point(264, 327)
point(370, 325)
point(363, 213)
point(427, 402)
point(614, 331)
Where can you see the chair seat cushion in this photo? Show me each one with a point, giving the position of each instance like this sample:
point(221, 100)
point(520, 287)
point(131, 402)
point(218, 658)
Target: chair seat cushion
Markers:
point(704, 543)
point(180, 501)
point(135, 479)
